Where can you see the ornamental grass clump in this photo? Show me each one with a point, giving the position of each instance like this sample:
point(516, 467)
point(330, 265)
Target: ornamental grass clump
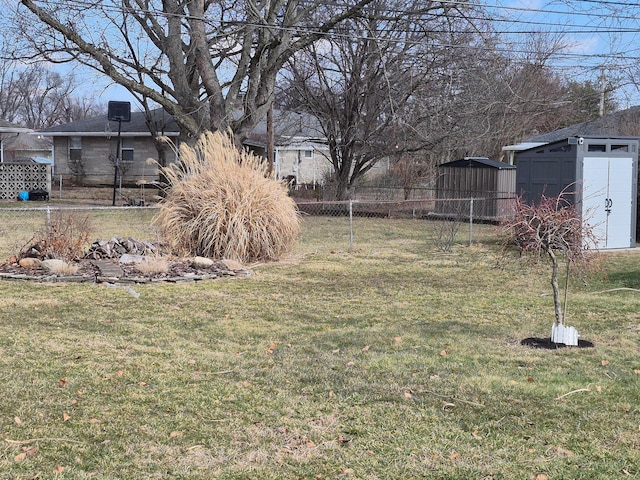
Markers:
point(220, 203)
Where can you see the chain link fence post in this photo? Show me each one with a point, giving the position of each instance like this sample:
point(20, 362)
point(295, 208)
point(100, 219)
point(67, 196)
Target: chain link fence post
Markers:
point(350, 225)
point(471, 221)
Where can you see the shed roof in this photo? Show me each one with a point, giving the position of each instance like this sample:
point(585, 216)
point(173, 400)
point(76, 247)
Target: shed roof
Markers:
point(477, 162)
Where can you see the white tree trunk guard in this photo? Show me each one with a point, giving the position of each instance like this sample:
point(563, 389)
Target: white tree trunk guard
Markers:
point(567, 335)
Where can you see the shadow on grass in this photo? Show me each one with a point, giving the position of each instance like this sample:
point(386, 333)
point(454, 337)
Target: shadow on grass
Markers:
point(547, 344)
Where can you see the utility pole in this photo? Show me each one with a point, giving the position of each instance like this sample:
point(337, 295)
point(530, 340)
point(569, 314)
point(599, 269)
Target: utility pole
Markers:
point(603, 88)
point(270, 141)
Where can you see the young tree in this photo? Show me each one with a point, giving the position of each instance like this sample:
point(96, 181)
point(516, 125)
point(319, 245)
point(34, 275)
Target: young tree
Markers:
point(553, 227)
point(212, 64)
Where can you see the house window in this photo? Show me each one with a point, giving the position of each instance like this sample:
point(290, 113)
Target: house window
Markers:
point(597, 147)
point(75, 149)
point(308, 153)
point(126, 150)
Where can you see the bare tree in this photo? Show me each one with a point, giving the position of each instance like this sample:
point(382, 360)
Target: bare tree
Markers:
point(500, 98)
point(361, 83)
point(36, 97)
point(212, 64)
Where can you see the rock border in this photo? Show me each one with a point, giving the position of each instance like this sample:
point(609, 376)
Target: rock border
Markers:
point(186, 277)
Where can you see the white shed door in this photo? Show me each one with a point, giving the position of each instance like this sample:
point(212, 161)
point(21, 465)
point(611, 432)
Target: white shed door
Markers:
point(607, 199)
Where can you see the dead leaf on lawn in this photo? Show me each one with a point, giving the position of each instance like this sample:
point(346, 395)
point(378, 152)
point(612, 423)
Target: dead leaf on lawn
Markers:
point(443, 353)
point(398, 339)
point(31, 451)
point(65, 416)
point(636, 371)
point(20, 457)
point(564, 452)
point(540, 476)
point(365, 348)
point(604, 363)
point(17, 421)
point(119, 373)
point(62, 382)
point(454, 456)
point(407, 394)
point(58, 469)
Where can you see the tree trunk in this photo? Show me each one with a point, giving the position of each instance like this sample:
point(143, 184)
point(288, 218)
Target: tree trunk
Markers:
point(556, 289)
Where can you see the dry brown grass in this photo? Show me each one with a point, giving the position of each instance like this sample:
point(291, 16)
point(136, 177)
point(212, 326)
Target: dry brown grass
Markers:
point(153, 265)
point(64, 237)
point(64, 268)
point(222, 204)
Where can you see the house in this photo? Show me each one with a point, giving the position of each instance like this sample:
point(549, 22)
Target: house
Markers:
point(84, 151)
point(19, 144)
point(18, 170)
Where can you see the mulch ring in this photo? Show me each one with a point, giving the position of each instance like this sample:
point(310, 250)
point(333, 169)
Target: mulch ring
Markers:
point(547, 344)
point(111, 271)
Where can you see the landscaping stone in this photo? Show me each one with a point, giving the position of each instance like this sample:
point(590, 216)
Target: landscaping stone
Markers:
point(202, 262)
point(129, 258)
point(54, 264)
point(30, 262)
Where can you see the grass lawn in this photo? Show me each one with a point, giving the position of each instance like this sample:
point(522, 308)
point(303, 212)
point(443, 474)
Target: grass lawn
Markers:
point(391, 361)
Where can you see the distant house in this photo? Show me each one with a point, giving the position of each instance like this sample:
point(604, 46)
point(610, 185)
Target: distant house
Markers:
point(19, 170)
point(85, 150)
point(20, 144)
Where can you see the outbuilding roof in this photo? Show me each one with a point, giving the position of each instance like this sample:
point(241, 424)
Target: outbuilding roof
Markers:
point(477, 162)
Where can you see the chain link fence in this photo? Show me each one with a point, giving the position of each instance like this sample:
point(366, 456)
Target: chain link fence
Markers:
point(442, 223)
point(21, 225)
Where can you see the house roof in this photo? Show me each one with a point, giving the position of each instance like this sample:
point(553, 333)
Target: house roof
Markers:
point(289, 127)
point(100, 126)
point(477, 162)
point(8, 127)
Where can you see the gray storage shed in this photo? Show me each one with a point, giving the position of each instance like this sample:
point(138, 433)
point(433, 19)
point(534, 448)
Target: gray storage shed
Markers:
point(601, 173)
point(489, 181)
